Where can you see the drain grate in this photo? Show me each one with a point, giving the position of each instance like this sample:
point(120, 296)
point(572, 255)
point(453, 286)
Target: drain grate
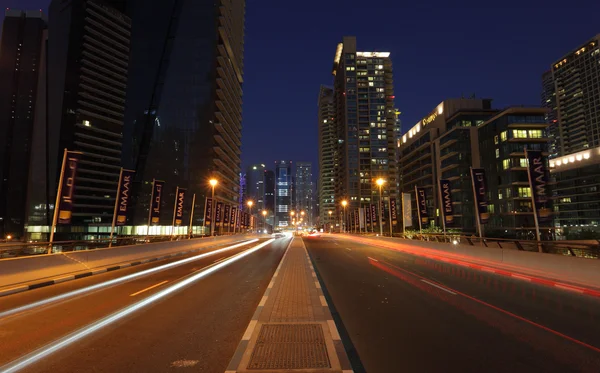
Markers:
point(290, 346)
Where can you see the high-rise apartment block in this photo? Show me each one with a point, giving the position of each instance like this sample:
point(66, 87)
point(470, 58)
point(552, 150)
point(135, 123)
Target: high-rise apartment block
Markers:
point(327, 156)
point(22, 49)
point(365, 120)
point(283, 193)
point(304, 191)
point(255, 187)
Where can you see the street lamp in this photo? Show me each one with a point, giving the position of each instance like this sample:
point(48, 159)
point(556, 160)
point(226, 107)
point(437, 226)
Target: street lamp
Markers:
point(264, 214)
point(344, 204)
point(330, 212)
point(380, 183)
point(213, 183)
point(250, 203)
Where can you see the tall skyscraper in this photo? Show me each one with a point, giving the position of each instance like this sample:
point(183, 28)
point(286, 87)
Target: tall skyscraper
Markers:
point(576, 81)
point(21, 47)
point(255, 185)
point(283, 193)
point(183, 121)
point(365, 120)
point(327, 154)
point(269, 183)
point(304, 191)
point(549, 102)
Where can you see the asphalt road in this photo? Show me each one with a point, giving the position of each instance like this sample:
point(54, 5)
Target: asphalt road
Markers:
point(194, 328)
point(403, 313)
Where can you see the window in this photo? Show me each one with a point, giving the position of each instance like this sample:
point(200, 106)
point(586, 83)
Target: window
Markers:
point(491, 209)
point(503, 136)
point(496, 139)
point(497, 153)
point(508, 192)
point(520, 134)
point(523, 162)
point(506, 164)
point(535, 134)
point(499, 195)
point(524, 192)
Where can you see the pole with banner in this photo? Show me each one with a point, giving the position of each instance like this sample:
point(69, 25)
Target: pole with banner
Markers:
point(479, 197)
point(421, 196)
point(63, 207)
point(538, 180)
point(406, 212)
point(373, 213)
point(192, 216)
point(446, 203)
point(219, 215)
point(226, 213)
point(121, 201)
point(393, 212)
point(178, 209)
point(234, 214)
point(155, 200)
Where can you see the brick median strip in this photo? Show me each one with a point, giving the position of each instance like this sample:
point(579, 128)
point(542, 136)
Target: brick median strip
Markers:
point(245, 348)
point(58, 280)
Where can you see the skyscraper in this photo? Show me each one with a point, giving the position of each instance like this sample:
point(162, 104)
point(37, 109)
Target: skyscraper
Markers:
point(283, 198)
point(255, 187)
point(576, 81)
point(184, 122)
point(21, 49)
point(269, 183)
point(327, 153)
point(365, 120)
point(304, 191)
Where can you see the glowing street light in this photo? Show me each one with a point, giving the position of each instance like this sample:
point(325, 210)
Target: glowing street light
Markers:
point(213, 183)
point(250, 203)
point(344, 204)
point(380, 183)
point(330, 212)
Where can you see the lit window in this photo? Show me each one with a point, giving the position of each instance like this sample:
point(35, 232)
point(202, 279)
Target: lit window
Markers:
point(535, 134)
point(523, 162)
point(520, 134)
point(503, 136)
point(497, 153)
point(86, 123)
point(496, 139)
point(506, 164)
point(524, 192)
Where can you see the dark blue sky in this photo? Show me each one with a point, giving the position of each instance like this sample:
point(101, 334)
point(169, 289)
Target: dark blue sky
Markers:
point(440, 50)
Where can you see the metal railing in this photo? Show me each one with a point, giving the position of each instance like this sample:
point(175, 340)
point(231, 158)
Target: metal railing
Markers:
point(567, 248)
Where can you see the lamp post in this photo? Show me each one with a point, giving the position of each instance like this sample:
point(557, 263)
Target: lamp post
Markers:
point(213, 183)
point(380, 183)
point(330, 212)
point(344, 204)
point(264, 214)
point(250, 203)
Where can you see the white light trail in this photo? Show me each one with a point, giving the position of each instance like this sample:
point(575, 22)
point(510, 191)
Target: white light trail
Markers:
point(119, 280)
point(50, 348)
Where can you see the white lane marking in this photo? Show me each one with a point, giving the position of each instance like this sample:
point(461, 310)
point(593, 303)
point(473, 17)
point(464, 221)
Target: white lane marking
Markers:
point(50, 348)
point(220, 259)
point(184, 363)
point(249, 330)
point(121, 279)
point(263, 301)
point(373, 259)
point(270, 285)
point(148, 288)
point(323, 301)
point(520, 277)
point(314, 274)
point(98, 271)
point(317, 284)
point(333, 330)
point(336, 243)
point(568, 288)
point(439, 287)
point(349, 249)
point(63, 279)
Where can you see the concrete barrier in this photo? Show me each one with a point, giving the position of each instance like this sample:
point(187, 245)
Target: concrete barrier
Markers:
point(582, 271)
point(15, 271)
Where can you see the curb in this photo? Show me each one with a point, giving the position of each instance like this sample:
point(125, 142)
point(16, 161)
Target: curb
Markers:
point(58, 280)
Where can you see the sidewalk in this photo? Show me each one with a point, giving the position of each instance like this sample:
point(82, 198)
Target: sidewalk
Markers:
point(292, 327)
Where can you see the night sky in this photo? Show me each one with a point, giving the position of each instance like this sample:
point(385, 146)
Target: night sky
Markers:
point(444, 49)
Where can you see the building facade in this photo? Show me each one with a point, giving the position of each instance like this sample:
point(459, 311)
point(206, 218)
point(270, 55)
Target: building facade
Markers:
point(365, 120)
point(255, 187)
point(22, 49)
point(327, 156)
point(304, 191)
point(269, 183)
point(283, 194)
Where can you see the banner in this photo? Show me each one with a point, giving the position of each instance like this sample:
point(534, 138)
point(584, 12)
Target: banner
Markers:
point(356, 221)
point(179, 199)
point(226, 214)
point(361, 217)
point(421, 194)
point(447, 208)
point(373, 215)
point(208, 211)
point(538, 181)
point(246, 222)
point(368, 215)
point(218, 213)
point(69, 172)
point(157, 188)
point(479, 192)
point(407, 210)
point(394, 211)
point(233, 216)
point(124, 190)
point(238, 219)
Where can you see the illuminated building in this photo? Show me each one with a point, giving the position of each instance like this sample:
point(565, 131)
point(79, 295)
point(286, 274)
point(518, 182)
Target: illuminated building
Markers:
point(255, 187)
point(22, 60)
point(304, 190)
point(327, 155)
point(269, 183)
point(365, 119)
point(283, 193)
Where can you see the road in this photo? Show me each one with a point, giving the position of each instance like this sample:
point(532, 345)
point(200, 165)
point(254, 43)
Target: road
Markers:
point(197, 326)
point(403, 313)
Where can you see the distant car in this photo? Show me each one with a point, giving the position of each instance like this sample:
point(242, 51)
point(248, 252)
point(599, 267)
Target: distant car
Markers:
point(314, 234)
point(277, 234)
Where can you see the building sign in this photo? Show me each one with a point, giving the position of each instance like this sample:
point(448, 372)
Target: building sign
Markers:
point(479, 192)
point(157, 188)
point(123, 196)
point(208, 211)
point(179, 199)
point(374, 215)
point(69, 172)
point(394, 211)
point(407, 210)
point(538, 181)
point(233, 216)
point(421, 194)
point(218, 212)
point(447, 208)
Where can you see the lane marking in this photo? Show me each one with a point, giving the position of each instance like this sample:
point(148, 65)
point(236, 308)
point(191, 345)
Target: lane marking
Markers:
point(373, 259)
point(148, 288)
point(263, 301)
point(317, 284)
point(270, 285)
point(52, 347)
point(439, 287)
point(520, 277)
point(220, 259)
point(323, 301)
point(349, 249)
point(249, 330)
point(333, 330)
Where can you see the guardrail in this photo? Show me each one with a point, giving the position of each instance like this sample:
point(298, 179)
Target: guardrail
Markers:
point(567, 248)
point(20, 249)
